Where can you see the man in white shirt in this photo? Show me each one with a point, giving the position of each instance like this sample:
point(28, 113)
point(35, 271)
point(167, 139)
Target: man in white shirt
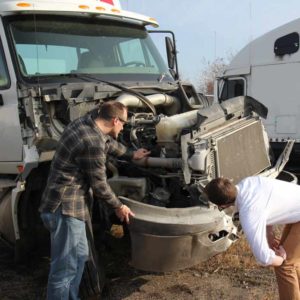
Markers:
point(261, 203)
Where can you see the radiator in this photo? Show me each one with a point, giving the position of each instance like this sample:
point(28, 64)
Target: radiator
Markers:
point(242, 152)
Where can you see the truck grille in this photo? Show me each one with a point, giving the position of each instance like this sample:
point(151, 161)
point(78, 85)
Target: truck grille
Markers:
point(242, 152)
point(212, 158)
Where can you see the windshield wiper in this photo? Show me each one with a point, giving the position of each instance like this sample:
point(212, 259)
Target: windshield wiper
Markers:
point(43, 77)
point(161, 77)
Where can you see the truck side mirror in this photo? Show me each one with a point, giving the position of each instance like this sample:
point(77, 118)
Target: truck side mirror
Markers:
point(170, 53)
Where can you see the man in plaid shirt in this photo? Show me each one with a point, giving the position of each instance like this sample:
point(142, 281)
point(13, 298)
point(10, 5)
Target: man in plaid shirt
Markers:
point(78, 165)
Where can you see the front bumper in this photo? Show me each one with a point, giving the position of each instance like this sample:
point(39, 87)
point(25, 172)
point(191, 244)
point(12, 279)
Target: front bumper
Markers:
point(170, 239)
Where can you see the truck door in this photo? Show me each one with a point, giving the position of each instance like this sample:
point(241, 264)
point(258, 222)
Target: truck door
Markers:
point(10, 129)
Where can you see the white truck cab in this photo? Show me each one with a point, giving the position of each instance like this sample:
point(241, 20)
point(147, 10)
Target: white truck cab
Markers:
point(62, 59)
point(267, 69)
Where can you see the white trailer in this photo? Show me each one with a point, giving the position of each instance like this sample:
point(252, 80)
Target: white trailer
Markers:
point(267, 69)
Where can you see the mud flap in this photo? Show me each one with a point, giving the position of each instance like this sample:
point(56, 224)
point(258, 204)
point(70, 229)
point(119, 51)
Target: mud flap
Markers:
point(93, 277)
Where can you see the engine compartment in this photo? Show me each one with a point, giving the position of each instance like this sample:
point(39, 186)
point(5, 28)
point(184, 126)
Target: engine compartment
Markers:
point(185, 134)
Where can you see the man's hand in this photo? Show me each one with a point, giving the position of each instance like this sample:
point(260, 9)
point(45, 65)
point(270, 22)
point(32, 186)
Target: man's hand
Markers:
point(123, 213)
point(281, 252)
point(140, 153)
point(280, 257)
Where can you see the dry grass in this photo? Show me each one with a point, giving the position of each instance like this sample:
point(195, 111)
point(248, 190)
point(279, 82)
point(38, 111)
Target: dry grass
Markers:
point(239, 264)
point(230, 275)
point(233, 274)
point(239, 255)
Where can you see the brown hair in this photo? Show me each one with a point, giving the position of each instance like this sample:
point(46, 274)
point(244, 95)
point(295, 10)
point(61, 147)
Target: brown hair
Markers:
point(221, 191)
point(111, 109)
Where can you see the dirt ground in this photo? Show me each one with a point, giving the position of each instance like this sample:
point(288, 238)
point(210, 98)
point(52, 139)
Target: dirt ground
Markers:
point(231, 275)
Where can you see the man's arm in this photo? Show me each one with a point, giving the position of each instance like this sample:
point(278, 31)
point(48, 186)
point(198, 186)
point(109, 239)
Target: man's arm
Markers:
point(92, 163)
point(280, 254)
point(253, 222)
point(118, 149)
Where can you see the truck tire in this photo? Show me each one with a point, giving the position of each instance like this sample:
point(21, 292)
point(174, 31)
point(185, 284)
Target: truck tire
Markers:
point(33, 235)
point(27, 244)
point(93, 278)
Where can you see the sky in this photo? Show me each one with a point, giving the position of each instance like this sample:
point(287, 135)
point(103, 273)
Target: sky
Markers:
point(210, 29)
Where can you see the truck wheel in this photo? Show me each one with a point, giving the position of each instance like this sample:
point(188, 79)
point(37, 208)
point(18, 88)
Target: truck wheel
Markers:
point(26, 244)
point(33, 235)
point(93, 277)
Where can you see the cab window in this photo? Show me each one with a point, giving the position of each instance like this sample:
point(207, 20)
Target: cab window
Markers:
point(232, 88)
point(4, 78)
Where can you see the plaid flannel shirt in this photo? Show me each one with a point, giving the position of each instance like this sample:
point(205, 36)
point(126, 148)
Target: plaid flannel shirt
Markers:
point(78, 165)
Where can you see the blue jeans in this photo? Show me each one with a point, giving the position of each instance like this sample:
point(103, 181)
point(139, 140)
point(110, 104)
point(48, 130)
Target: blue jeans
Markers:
point(69, 252)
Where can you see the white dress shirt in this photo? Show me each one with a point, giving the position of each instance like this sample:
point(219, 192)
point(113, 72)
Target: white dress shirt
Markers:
point(263, 201)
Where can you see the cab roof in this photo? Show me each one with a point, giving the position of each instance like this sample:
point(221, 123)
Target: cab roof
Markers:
point(99, 8)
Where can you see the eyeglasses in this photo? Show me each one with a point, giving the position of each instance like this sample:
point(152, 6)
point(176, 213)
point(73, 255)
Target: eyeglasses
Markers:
point(122, 120)
point(222, 207)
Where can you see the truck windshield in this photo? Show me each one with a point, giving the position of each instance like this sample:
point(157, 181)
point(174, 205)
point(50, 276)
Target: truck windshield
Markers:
point(50, 46)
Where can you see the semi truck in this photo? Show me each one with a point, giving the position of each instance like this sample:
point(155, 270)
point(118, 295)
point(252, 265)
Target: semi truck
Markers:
point(267, 69)
point(62, 59)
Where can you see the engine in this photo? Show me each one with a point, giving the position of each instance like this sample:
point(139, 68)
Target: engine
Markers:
point(187, 150)
point(190, 141)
